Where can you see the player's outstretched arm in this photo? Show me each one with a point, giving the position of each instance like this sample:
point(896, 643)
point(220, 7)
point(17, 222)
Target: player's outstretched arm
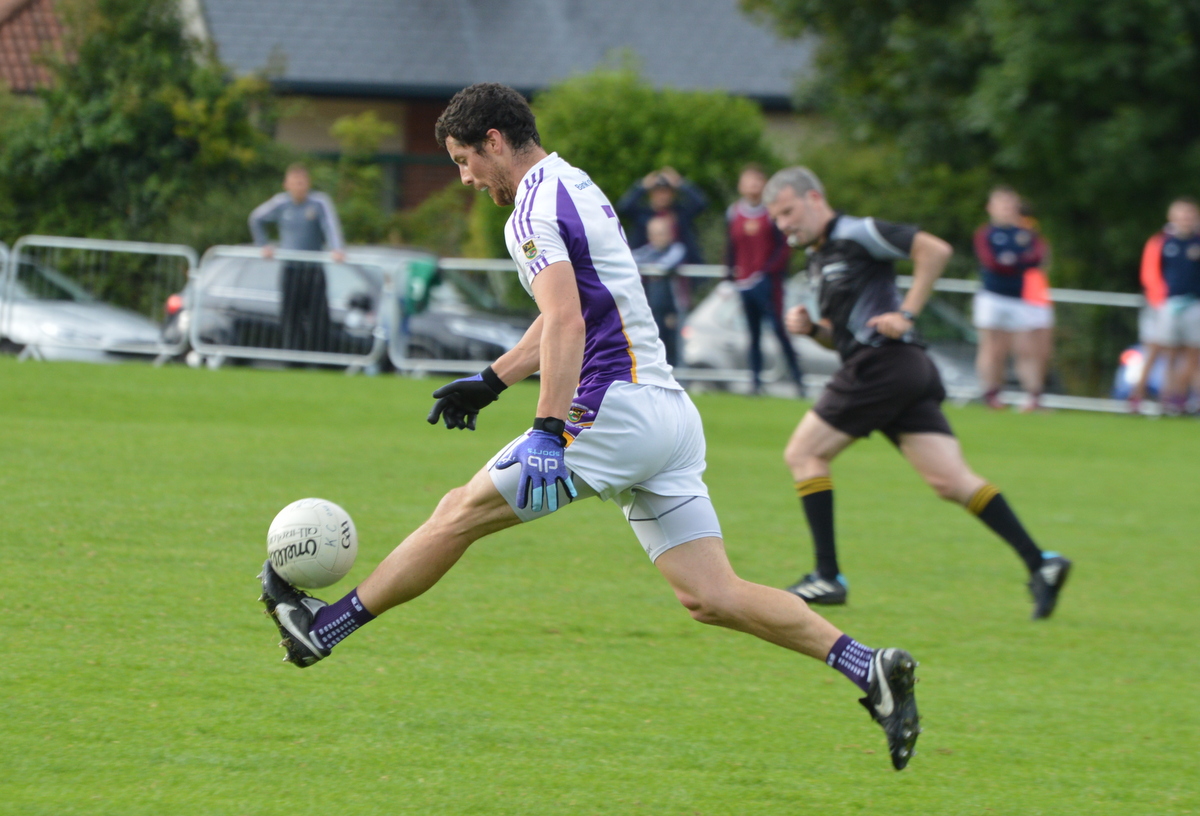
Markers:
point(459, 403)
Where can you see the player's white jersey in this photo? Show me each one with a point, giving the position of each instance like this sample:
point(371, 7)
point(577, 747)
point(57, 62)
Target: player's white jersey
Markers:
point(561, 215)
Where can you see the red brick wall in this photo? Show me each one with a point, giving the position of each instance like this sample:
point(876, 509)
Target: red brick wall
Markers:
point(429, 169)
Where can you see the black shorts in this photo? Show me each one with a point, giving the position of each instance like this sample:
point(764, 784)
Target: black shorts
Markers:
point(893, 388)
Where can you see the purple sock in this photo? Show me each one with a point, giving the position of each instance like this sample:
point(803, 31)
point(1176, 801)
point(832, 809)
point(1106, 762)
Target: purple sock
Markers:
point(852, 659)
point(333, 623)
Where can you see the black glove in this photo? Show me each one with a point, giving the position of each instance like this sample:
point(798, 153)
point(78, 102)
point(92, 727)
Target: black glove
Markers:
point(459, 402)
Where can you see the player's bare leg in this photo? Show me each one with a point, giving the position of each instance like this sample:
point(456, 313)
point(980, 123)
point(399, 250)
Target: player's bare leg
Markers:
point(809, 454)
point(311, 627)
point(708, 588)
point(463, 516)
point(991, 358)
point(939, 460)
point(813, 446)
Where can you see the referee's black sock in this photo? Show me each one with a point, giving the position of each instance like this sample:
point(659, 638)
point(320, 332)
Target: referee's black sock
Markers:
point(816, 496)
point(993, 510)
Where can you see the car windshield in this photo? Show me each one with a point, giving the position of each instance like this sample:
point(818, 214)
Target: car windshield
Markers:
point(37, 282)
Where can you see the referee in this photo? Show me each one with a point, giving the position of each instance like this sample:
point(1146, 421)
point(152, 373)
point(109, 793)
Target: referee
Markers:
point(886, 383)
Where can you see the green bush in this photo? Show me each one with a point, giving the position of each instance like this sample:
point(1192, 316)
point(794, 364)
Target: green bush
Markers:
point(616, 127)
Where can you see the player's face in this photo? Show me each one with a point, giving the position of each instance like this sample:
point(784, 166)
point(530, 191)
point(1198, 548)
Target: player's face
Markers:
point(797, 216)
point(1184, 217)
point(483, 169)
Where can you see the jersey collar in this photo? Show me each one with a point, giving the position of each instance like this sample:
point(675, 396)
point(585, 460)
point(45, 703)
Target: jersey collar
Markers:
point(533, 171)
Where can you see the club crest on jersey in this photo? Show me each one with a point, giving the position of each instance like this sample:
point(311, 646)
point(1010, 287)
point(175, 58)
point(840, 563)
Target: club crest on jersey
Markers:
point(530, 249)
point(575, 413)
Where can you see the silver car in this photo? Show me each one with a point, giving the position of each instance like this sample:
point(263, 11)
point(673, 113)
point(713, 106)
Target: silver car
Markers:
point(45, 315)
point(716, 338)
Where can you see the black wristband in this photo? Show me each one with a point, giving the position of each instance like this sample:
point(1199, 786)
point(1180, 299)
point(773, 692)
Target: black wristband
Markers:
point(493, 380)
point(909, 316)
point(816, 327)
point(552, 425)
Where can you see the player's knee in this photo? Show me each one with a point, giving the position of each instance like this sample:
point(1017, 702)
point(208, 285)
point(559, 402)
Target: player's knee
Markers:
point(460, 512)
point(945, 487)
point(705, 607)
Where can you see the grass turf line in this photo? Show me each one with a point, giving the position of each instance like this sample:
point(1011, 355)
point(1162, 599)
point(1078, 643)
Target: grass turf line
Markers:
point(552, 671)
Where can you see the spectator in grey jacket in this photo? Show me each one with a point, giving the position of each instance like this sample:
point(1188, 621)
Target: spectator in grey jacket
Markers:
point(306, 220)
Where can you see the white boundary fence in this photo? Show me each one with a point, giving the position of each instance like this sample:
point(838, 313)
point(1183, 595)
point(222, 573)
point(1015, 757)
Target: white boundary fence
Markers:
point(232, 316)
point(503, 267)
point(170, 270)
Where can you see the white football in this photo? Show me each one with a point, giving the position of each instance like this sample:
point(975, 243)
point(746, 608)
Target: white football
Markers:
point(312, 543)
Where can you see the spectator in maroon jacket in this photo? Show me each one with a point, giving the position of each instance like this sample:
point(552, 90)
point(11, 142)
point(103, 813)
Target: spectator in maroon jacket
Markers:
point(757, 256)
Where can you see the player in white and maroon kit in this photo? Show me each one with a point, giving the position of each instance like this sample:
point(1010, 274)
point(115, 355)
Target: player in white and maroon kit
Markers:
point(611, 421)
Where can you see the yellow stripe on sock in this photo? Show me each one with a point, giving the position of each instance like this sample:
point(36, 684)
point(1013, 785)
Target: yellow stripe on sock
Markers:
point(981, 498)
point(810, 486)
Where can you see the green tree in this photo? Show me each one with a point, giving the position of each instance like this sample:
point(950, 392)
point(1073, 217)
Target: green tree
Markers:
point(138, 125)
point(1090, 107)
point(615, 126)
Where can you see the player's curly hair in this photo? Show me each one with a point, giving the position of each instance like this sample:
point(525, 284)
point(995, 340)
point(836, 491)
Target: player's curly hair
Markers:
point(483, 106)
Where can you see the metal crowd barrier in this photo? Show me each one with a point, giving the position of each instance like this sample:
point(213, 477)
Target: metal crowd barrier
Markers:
point(63, 297)
point(295, 307)
point(500, 272)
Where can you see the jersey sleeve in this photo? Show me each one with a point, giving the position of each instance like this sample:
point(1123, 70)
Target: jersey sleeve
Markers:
point(539, 240)
point(887, 241)
point(266, 212)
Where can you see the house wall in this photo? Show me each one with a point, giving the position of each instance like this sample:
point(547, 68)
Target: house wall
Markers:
point(416, 165)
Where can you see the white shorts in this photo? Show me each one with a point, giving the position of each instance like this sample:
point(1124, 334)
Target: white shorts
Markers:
point(641, 445)
point(1176, 323)
point(1010, 314)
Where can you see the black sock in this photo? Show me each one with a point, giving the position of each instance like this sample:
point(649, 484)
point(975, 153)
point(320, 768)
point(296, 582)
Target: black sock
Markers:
point(993, 510)
point(816, 496)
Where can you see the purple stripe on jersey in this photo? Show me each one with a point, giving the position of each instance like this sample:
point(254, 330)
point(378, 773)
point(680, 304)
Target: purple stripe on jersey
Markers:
point(532, 195)
point(606, 352)
point(608, 211)
point(526, 208)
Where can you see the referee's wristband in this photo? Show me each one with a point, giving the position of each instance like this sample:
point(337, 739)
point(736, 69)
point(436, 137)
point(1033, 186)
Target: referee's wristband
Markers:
point(551, 425)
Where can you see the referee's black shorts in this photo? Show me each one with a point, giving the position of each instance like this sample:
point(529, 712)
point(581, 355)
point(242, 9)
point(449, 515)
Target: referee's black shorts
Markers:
point(894, 388)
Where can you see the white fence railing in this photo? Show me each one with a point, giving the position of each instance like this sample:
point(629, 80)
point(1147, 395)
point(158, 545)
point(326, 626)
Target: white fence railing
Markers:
point(92, 295)
point(503, 270)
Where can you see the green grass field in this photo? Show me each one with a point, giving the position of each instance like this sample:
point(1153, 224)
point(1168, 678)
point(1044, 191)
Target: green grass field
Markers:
point(553, 672)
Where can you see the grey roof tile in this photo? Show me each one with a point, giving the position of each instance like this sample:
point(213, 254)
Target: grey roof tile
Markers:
point(436, 46)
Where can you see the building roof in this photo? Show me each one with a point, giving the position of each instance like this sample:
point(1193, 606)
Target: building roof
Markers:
point(432, 48)
point(27, 29)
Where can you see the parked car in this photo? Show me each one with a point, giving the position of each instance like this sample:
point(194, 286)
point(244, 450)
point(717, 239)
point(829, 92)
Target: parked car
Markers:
point(439, 320)
point(453, 328)
point(235, 301)
point(715, 336)
point(45, 314)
